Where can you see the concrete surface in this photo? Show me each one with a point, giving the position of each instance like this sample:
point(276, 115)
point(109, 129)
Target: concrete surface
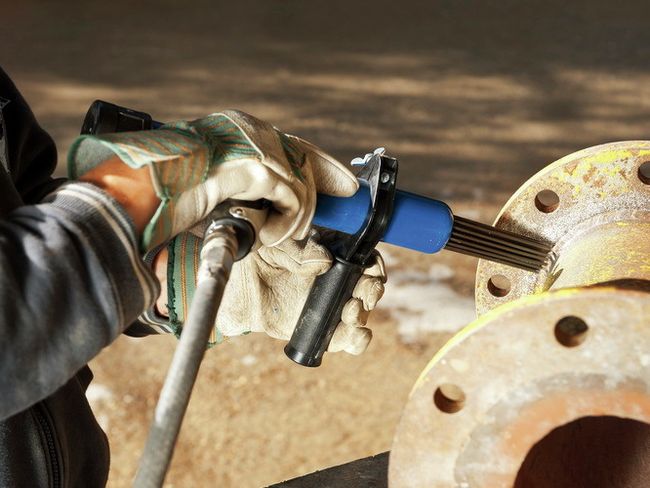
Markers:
point(472, 96)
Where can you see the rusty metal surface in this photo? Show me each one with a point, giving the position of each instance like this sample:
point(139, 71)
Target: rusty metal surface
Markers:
point(599, 227)
point(520, 382)
point(550, 387)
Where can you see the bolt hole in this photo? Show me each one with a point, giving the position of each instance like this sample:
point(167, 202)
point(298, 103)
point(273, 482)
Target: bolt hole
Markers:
point(547, 201)
point(498, 285)
point(571, 331)
point(449, 398)
point(644, 173)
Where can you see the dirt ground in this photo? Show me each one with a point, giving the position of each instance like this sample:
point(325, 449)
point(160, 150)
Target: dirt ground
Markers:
point(473, 97)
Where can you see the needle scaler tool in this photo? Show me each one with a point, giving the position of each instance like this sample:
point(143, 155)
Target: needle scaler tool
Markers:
point(377, 212)
point(427, 225)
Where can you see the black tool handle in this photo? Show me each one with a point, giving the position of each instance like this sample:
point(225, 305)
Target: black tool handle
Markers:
point(104, 117)
point(322, 313)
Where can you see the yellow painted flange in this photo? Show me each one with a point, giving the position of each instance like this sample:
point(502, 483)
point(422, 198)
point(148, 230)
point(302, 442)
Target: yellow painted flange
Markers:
point(601, 227)
point(512, 376)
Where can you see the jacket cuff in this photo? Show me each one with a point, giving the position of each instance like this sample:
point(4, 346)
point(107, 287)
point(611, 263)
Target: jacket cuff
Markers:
point(109, 231)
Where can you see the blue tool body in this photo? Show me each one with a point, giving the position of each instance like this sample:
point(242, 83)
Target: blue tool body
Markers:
point(418, 223)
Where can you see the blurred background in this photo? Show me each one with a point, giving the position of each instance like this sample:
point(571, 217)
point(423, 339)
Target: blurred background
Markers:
point(473, 97)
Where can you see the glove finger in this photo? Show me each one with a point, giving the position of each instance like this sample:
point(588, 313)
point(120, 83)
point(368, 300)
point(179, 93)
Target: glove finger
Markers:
point(369, 290)
point(243, 300)
point(353, 340)
point(267, 140)
point(289, 216)
point(331, 176)
point(305, 257)
point(354, 314)
point(377, 268)
point(249, 180)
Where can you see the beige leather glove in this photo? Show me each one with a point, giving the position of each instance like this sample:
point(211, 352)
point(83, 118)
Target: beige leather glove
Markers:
point(196, 165)
point(267, 290)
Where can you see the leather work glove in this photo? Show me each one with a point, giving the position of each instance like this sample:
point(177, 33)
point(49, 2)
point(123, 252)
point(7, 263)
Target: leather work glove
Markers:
point(196, 165)
point(268, 289)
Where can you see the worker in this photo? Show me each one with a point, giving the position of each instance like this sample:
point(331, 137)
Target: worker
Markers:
point(110, 251)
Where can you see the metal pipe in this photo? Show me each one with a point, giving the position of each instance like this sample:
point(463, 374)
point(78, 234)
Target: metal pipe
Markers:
point(217, 257)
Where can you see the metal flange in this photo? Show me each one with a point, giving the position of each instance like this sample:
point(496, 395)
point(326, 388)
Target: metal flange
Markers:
point(517, 373)
point(594, 205)
point(550, 387)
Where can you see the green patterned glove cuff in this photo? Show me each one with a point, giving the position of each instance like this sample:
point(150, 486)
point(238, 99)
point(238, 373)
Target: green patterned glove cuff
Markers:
point(180, 155)
point(182, 267)
point(177, 154)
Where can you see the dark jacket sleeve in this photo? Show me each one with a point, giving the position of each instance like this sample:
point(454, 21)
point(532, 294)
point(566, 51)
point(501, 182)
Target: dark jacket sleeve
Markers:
point(29, 154)
point(71, 280)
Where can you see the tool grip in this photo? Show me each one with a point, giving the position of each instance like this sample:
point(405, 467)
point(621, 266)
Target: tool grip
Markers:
point(322, 313)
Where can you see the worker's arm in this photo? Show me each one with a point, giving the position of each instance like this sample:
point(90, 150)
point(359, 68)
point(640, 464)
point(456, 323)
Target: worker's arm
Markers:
point(131, 188)
point(71, 280)
point(70, 274)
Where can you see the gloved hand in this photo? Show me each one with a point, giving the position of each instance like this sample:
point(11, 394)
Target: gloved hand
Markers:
point(267, 290)
point(196, 165)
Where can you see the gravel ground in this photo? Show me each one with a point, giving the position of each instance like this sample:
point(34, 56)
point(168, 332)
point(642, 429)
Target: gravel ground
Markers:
point(473, 97)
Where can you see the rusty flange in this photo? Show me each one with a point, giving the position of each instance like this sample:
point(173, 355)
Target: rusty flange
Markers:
point(568, 346)
point(517, 373)
point(595, 206)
